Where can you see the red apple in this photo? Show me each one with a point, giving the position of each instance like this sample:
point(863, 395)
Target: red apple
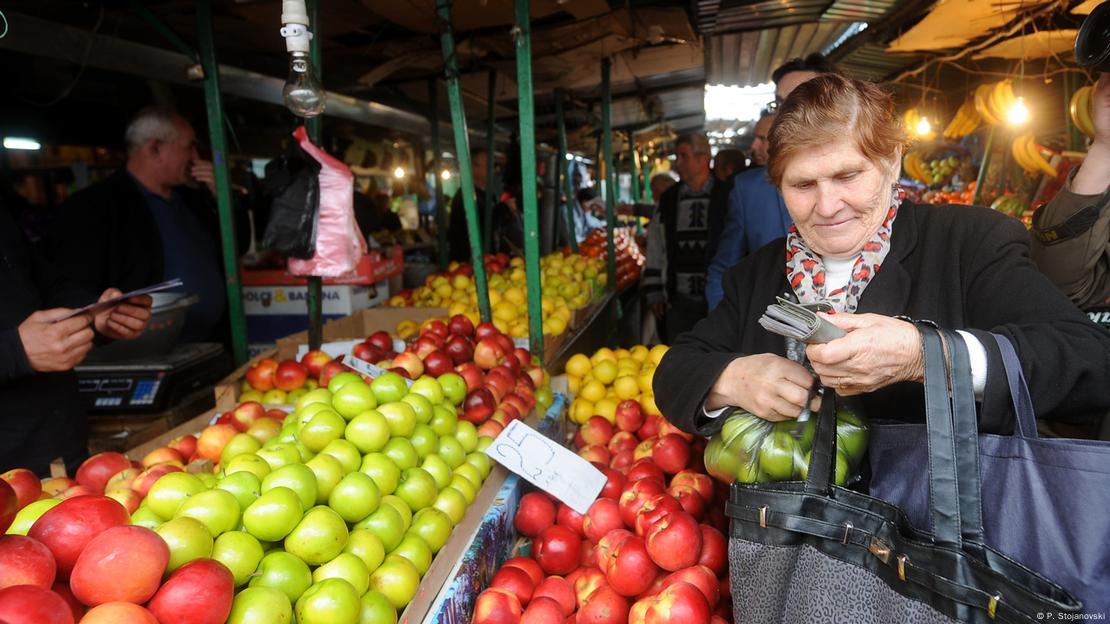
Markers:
point(75, 606)
point(434, 327)
point(690, 500)
point(471, 374)
point(95, 471)
point(260, 375)
point(622, 441)
point(496, 606)
point(700, 577)
point(213, 439)
point(586, 582)
point(123, 563)
point(700, 482)
point(602, 517)
point(635, 495)
point(674, 541)
point(645, 469)
point(145, 479)
point(499, 381)
point(486, 330)
point(69, 526)
point(629, 416)
point(535, 514)
point(460, 325)
point(119, 613)
point(523, 357)
point(604, 606)
point(653, 510)
point(650, 428)
point(608, 544)
point(199, 592)
point(571, 519)
point(621, 461)
point(381, 340)
point(459, 348)
point(488, 353)
point(714, 550)
point(536, 376)
point(543, 611)
point(54, 486)
point(425, 345)
point(505, 343)
point(411, 363)
point(438, 363)
point(671, 453)
point(24, 561)
point(614, 483)
point(666, 427)
point(290, 375)
point(331, 369)
point(160, 455)
point(26, 485)
point(596, 430)
point(32, 604)
point(679, 602)
point(595, 453)
point(557, 550)
point(314, 361)
point(367, 352)
point(186, 445)
point(629, 569)
point(478, 406)
point(529, 565)
point(130, 499)
point(515, 580)
point(644, 449)
point(490, 429)
point(558, 589)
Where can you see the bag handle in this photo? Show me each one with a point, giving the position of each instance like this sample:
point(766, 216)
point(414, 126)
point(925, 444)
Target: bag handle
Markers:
point(944, 502)
point(822, 457)
point(1019, 391)
point(966, 428)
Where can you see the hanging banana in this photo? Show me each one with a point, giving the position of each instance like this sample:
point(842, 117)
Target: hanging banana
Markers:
point(982, 92)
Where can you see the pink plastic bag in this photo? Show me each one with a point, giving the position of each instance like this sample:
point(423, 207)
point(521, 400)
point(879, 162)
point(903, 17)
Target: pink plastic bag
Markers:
point(339, 243)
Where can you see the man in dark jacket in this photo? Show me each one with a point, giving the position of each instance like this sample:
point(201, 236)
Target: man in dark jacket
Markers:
point(507, 229)
point(41, 415)
point(145, 224)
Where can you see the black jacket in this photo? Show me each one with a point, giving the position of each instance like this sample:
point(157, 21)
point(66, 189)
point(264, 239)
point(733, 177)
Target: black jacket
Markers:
point(41, 415)
point(507, 229)
point(962, 267)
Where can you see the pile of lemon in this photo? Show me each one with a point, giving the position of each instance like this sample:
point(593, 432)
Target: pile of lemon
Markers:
point(601, 381)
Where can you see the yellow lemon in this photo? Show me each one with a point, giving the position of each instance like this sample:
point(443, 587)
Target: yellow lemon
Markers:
point(607, 409)
point(605, 371)
point(578, 365)
point(501, 326)
point(574, 383)
point(444, 290)
point(557, 324)
point(494, 296)
point(639, 353)
point(593, 390)
point(621, 353)
point(603, 354)
point(644, 380)
point(515, 295)
point(505, 311)
point(460, 281)
point(626, 387)
point(647, 403)
point(657, 353)
point(581, 411)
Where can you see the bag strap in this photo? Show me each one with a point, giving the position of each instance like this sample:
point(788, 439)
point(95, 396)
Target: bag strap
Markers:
point(966, 428)
point(822, 457)
point(1019, 391)
point(944, 502)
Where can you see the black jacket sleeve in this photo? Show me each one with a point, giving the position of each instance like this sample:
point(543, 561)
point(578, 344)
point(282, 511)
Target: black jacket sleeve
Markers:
point(13, 360)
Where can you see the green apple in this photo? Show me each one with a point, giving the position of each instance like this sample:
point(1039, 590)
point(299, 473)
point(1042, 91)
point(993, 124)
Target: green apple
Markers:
point(439, 470)
point(353, 399)
point(143, 517)
point(444, 423)
point(239, 444)
point(280, 454)
point(483, 443)
point(345, 566)
point(33, 511)
point(417, 488)
point(261, 605)
point(328, 473)
point(216, 509)
point(424, 440)
point(389, 387)
point(452, 503)
point(302, 450)
point(482, 462)
point(397, 579)
point(386, 524)
point(276, 512)
point(240, 552)
point(348, 454)
point(244, 486)
point(467, 435)
point(168, 492)
point(427, 387)
point(208, 479)
point(454, 388)
point(369, 431)
point(376, 609)
point(401, 452)
point(341, 380)
point(251, 463)
point(325, 426)
point(283, 572)
point(319, 395)
point(416, 550)
point(331, 601)
point(420, 405)
point(302, 416)
point(400, 416)
point(452, 451)
point(382, 470)
point(463, 485)
point(187, 540)
point(402, 509)
point(296, 477)
point(365, 545)
point(293, 396)
point(319, 537)
point(433, 526)
point(354, 497)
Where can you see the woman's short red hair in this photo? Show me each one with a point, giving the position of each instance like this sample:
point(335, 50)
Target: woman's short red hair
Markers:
point(826, 109)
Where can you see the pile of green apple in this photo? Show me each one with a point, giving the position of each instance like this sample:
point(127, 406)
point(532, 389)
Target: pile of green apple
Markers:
point(337, 517)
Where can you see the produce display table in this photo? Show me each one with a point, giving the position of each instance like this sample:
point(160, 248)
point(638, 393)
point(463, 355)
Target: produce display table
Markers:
point(120, 432)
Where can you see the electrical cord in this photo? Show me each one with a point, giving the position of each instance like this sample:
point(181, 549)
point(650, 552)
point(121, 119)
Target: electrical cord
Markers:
point(4, 18)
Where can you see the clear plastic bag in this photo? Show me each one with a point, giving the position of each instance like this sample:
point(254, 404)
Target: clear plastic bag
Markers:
point(749, 449)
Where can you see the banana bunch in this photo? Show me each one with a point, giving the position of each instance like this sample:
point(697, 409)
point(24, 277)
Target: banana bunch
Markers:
point(1081, 108)
point(1028, 155)
point(967, 119)
point(916, 168)
point(1001, 98)
point(982, 94)
point(912, 118)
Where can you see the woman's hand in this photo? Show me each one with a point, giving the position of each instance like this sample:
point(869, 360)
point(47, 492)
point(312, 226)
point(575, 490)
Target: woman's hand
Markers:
point(877, 352)
point(126, 320)
point(769, 386)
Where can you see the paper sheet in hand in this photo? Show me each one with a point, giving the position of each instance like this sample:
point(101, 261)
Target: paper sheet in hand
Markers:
point(94, 308)
point(548, 465)
point(792, 320)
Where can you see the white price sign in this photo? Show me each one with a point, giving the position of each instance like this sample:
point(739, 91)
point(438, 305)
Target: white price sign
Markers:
point(548, 465)
point(366, 368)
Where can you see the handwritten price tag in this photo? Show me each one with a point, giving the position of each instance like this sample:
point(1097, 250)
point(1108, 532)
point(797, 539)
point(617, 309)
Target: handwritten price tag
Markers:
point(548, 465)
point(366, 368)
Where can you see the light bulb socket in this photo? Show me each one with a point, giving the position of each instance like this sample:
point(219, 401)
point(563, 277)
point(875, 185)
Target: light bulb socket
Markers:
point(297, 37)
point(294, 12)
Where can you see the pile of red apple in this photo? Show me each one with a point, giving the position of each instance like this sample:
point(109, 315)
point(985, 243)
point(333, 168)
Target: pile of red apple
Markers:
point(494, 263)
point(651, 548)
point(283, 383)
point(81, 560)
point(503, 382)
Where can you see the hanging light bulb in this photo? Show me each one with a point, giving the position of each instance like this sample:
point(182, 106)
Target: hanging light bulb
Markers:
point(1018, 114)
point(302, 93)
point(445, 174)
point(923, 127)
point(399, 172)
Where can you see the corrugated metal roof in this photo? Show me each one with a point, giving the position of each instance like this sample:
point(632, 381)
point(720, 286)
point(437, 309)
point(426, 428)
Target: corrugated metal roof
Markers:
point(748, 58)
point(872, 62)
point(672, 104)
point(858, 10)
point(722, 16)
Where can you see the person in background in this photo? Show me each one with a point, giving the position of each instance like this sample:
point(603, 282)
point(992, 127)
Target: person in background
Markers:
point(589, 213)
point(727, 163)
point(507, 229)
point(759, 138)
point(756, 213)
point(153, 220)
point(659, 184)
point(1071, 233)
point(41, 415)
point(678, 237)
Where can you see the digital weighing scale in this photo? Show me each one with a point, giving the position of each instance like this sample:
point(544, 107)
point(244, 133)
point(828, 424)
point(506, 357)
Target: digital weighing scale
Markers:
point(151, 384)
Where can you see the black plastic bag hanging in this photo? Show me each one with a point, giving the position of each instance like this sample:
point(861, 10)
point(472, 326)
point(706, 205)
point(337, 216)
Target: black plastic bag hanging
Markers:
point(292, 180)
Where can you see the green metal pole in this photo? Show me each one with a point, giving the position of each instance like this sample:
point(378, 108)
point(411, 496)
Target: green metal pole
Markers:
point(523, 40)
point(983, 167)
point(214, 106)
point(315, 298)
point(462, 149)
point(568, 183)
point(491, 148)
point(607, 162)
point(441, 210)
point(163, 29)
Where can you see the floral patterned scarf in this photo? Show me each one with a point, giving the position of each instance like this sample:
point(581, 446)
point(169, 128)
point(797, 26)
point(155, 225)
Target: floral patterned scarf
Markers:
point(805, 270)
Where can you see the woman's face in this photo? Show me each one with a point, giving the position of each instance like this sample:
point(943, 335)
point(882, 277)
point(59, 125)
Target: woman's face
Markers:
point(837, 197)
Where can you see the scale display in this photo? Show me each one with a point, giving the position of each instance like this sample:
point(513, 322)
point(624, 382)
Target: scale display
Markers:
point(151, 384)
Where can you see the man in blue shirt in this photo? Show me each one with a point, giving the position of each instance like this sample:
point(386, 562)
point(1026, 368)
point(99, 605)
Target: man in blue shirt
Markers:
point(756, 212)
